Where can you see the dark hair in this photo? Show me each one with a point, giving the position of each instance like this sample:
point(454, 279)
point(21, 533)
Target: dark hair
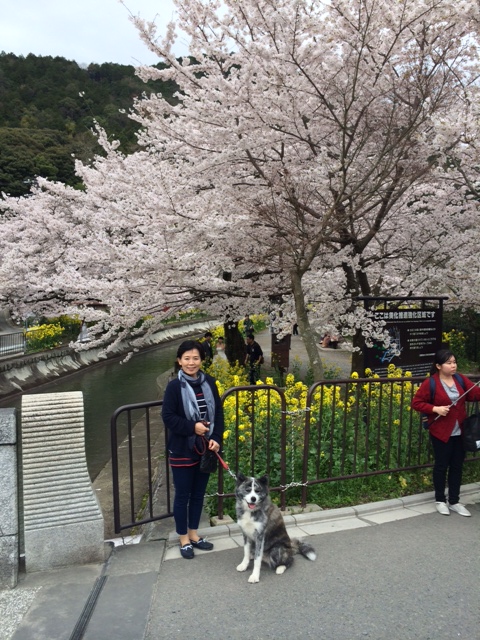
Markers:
point(188, 345)
point(208, 335)
point(440, 358)
point(250, 335)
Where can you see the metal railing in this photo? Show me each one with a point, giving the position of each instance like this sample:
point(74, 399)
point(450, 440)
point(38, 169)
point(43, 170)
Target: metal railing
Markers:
point(139, 450)
point(12, 344)
point(25, 341)
point(342, 429)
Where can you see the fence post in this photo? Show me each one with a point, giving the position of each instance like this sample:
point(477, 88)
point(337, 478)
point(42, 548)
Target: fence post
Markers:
point(8, 500)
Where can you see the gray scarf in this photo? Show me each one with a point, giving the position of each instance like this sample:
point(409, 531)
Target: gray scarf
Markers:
point(189, 399)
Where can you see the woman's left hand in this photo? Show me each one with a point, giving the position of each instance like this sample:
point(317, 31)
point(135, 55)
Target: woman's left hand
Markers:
point(214, 446)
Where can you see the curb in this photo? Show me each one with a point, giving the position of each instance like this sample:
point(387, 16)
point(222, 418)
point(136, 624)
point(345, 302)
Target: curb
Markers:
point(359, 512)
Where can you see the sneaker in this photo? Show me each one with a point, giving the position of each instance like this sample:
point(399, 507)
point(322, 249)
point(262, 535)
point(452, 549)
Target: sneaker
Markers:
point(187, 551)
point(460, 509)
point(202, 544)
point(442, 508)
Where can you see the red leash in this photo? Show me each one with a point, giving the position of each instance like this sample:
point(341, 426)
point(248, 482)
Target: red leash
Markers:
point(222, 461)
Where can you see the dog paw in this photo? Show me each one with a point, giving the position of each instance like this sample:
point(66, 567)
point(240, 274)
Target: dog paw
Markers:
point(253, 578)
point(280, 569)
point(242, 567)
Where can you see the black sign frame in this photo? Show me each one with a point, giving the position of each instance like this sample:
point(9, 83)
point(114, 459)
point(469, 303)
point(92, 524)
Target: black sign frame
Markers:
point(415, 325)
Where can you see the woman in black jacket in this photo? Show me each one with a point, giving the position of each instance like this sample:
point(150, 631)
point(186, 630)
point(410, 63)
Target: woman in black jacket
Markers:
point(192, 410)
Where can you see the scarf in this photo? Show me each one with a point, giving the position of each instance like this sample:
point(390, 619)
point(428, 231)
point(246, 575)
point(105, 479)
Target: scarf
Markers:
point(189, 399)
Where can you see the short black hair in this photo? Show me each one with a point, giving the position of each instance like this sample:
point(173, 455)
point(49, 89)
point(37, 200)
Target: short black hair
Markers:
point(188, 345)
point(440, 358)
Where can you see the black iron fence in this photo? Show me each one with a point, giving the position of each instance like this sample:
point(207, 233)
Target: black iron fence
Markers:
point(12, 344)
point(337, 430)
point(27, 341)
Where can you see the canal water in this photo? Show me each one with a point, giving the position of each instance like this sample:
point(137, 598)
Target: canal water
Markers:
point(105, 387)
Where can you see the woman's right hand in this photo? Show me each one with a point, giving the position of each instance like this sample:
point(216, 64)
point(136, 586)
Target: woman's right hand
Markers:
point(201, 429)
point(442, 411)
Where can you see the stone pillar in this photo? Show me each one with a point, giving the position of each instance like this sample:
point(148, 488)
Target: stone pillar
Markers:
point(62, 518)
point(8, 500)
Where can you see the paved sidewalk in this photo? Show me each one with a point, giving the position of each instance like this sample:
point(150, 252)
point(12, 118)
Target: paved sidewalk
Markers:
point(392, 570)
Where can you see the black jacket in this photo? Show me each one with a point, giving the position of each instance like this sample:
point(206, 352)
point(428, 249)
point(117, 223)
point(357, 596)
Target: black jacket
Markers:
point(180, 428)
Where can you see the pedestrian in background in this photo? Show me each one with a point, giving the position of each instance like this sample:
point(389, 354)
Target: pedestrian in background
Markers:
point(220, 349)
point(446, 413)
point(207, 347)
point(253, 358)
point(247, 325)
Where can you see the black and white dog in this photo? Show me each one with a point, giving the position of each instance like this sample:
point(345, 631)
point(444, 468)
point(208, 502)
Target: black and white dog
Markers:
point(264, 533)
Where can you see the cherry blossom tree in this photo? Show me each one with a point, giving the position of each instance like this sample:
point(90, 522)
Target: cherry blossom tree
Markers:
point(314, 155)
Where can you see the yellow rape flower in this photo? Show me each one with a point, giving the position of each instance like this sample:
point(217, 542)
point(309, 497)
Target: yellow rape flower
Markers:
point(290, 380)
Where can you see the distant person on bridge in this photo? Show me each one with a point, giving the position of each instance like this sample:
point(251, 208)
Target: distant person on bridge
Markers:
point(191, 410)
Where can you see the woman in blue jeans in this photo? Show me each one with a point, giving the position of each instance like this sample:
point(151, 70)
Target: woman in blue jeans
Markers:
point(446, 413)
point(192, 411)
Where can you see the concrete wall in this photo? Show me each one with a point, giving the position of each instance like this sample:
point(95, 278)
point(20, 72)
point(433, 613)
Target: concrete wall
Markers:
point(63, 523)
point(8, 500)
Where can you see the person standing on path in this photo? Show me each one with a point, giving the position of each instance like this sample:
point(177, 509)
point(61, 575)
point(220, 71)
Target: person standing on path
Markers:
point(220, 349)
point(253, 358)
point(192, 410)
point(446, 413)
point(247, 325)
point(207, 347)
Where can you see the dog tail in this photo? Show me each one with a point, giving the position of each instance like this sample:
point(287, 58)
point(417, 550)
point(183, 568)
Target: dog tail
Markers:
point(305, 549)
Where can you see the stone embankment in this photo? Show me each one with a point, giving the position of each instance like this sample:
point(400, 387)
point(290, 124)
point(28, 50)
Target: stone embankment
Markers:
point(24, 372)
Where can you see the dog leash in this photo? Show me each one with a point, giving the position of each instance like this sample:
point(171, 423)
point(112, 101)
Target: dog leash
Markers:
point(225, 465)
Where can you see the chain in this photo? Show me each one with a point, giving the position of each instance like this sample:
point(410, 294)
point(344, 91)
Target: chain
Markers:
point(296, 412)
point(282, 488)
point(293, 484)
point(292, 444)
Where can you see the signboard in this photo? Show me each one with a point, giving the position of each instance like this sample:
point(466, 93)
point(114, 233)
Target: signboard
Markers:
point(415, 327)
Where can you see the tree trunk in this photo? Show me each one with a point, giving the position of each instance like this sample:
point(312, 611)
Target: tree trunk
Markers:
point(234, 342)
point(357, 356)
point(306, 331)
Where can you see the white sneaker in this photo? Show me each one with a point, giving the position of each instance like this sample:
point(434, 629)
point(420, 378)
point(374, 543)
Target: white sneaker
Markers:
point(442, 508)
point(460, 509)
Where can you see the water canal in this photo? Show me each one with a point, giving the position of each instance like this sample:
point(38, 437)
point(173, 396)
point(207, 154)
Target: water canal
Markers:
point(105, 387)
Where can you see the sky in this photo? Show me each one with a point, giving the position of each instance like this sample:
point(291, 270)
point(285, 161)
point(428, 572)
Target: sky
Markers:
point(82, 30)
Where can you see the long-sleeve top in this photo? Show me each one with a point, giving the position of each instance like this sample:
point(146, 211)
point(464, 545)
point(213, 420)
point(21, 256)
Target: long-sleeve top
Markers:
point(442, 426)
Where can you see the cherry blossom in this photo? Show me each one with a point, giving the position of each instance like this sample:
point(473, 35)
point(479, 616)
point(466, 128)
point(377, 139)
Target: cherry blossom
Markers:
point(318, 151)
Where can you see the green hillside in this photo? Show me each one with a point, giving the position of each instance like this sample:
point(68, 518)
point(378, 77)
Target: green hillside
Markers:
point(47, 109)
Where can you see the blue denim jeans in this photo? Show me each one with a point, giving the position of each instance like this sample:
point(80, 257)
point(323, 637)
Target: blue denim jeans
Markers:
point(190, 486)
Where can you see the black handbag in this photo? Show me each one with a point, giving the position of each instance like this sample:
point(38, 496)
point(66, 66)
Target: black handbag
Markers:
point(208, 458)
point(209, 462)
point(471, 431)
